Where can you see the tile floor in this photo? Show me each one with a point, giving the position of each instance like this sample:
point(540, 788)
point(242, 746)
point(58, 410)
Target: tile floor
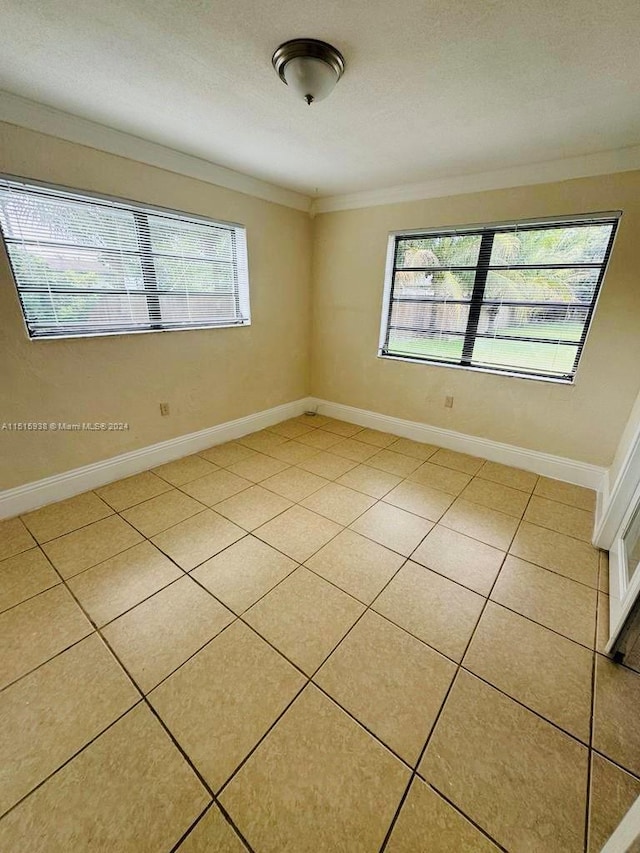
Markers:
point(315, 638)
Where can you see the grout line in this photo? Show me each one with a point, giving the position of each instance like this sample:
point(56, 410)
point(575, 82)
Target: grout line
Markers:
point(462, 814)
point(369, 607)
point(68, 760)
point(144, 700)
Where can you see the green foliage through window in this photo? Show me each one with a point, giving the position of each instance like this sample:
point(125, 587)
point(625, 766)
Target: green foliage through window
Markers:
point(512, 298)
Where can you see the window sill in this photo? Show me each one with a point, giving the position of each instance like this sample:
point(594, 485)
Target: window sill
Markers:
point(121, 332)
point(509, 373)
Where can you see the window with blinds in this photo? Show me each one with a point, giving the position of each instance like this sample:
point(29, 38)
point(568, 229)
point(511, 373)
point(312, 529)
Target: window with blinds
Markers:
point(514, 298)
point(87, 265)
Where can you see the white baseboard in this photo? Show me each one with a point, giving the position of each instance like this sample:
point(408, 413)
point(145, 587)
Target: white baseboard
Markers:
point(33, 495)
point(557, 467)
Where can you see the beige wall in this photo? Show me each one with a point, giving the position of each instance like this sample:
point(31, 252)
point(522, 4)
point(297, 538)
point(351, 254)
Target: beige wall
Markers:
point(212, 376)
point(583, 421)
point(207, 376)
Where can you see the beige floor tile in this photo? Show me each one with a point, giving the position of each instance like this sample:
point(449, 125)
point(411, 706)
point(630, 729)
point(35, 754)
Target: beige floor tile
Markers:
point(341, 427)
point(327, 465)
point(184, 470)
point(222, 701)
point(420, 500)
point(602, 619)
point(376, 438)
point(195, 540)
point(110, 588)
point(439, 477)
point(130, 790)
point(320, 439)
point(252, 507)
point(77, 551)
point(548, 598)
point(63, 517)
point(258, 467)
point(133, 490)
point(212, 834)
point(14, 538)
point(298, 532)
point(546, 672)
point(566, 493)
point(216, 487)
point(422, 602)
point(616, 722)
point(158, 635)
point(305, 618)
point(370, 481)
point(316, 755)
point(479, 522)
point(262, 441)
point(458, 461)
point(24, 576)
point(164, 511)
point(603, 572)
point(243, 573)
point(38, 629)
point(52, 713)
point(428, 823)
point(518, 777)
point(495, 496)
point(227, 454)
point(391, 682)
point(291, 428)
point(560, 517)
point(460, 558)
point(415, 449)
point(394, 463)
point(356, 564)
point(294, 484)
point(339, 503)
point(292, 452)
point(613, 792)
point(392, 527)
point(351, 448)
point(508, 476)
point(556, 551)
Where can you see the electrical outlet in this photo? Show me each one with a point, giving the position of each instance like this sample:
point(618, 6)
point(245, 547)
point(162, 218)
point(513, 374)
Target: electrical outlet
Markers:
point(164, 409)
point(448, 402)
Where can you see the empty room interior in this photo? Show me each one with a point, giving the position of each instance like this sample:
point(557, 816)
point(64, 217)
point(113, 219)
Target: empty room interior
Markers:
point(320, 427)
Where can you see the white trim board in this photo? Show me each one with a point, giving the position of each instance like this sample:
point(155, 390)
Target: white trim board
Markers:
point(529, 174)
point(54, 122)
point(557, 467)
point(618, 496)
point(33, 495)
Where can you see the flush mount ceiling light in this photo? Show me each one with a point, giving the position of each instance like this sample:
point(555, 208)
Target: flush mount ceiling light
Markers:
point(310, 67)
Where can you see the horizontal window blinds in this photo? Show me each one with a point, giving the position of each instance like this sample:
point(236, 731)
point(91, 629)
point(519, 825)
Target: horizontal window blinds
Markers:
point(85, 265)
point(515, 298)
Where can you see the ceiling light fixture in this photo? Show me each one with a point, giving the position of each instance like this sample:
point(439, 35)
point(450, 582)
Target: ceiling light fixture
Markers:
point(310, 67)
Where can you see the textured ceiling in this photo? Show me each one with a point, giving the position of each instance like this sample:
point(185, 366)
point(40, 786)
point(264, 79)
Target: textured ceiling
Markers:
point(431, 89)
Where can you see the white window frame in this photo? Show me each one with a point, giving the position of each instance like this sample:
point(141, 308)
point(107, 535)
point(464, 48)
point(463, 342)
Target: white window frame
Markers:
point(241, 261)
point(474, 228)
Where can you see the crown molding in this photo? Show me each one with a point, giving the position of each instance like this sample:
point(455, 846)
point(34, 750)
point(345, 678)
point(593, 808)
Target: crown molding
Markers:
point(589, 165)
point(54, 122)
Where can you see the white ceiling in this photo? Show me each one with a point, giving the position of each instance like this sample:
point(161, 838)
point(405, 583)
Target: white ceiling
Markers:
point(431, 90)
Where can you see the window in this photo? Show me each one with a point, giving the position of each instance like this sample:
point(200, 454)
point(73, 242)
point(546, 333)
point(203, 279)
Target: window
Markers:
point(87, 265)
point(513, 298)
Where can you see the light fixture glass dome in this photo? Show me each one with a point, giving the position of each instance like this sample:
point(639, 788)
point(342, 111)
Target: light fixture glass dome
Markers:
point(310, 67)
